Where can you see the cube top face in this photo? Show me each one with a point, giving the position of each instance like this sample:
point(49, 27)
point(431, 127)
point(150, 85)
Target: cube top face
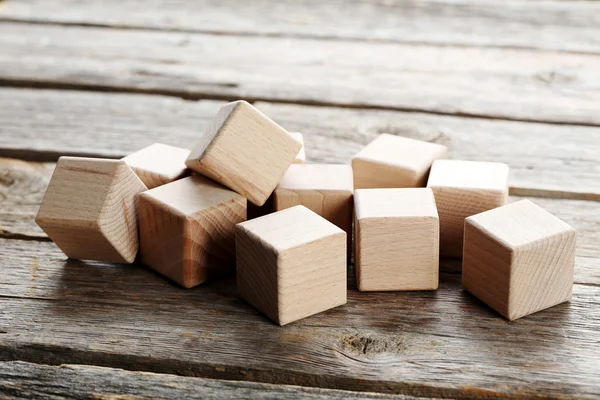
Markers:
point(244, 150)
point(191, 195)
point(411, 159)
point(519, 259)
point(289, 228)
point(74, 178)
point(322, 177)
point(158, 164)
point(301, 156)
point(476, 175)
point(519, 224)
point(390, 203)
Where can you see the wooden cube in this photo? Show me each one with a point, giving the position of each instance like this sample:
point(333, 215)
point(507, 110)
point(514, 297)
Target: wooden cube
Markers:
point(187, 229)
point(244, 150)
point(158, 164)
point(291, 264)
point(90, 209)
point(397, 239)
point(518, 259)
point(395, 162)
point(462, 189)
point(301, 156)
point(325, 189)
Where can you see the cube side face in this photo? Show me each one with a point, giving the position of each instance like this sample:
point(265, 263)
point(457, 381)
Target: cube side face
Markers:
point(256, 269)
point(118, 220)
point(542, 274)
point(209, 242)
point(486, 268)
point(82, 243)
point(162, 239)
point(311, 278)
point(249, 154)
point(456, 204)
point(369, 174)
point(399, 253)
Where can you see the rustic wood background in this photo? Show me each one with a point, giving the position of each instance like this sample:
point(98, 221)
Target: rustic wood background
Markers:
point(516, 81)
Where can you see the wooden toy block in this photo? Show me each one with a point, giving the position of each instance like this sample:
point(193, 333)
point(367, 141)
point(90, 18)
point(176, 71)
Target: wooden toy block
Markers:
point(90, 209)
point(395, 162)
point(244, 150)
point(158, 164)
point(518, 259)
point(301, 156)
point(187, 229)
point(462, 189)
point(397, 239)
point(325, 189)
point(291, 264)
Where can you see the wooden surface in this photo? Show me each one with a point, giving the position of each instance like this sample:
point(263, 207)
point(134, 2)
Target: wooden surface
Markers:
point(513, 81)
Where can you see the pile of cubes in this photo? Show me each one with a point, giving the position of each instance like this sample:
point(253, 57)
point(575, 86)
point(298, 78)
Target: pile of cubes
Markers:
point(244, 200)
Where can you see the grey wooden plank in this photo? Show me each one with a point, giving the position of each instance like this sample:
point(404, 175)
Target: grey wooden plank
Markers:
point(556, 25)
point(22, 380)
point(514, 84)
point(442, 343)
point(546, 160)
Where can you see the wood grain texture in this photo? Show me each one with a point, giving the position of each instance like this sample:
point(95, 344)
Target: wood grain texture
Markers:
point(119, 124)
point(187, 229)
point(556, 25)
point(392, 161)
point(325, 189)
point(158, 164)
point(397, 233)
point(527, 85)
point(519, 259)
point(462, 189)
point(291, 264)
point(22, 380)
point(244, 150)
point(64, 311)
point(90, 209)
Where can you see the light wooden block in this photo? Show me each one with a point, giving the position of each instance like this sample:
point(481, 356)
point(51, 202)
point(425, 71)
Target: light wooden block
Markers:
point(462, 189)
point(291, 264)
point(518, 259)
point(395, 162)
point(158, 164)
point(325, 189)
point(397, 239)
point(187, 229)
point(244, 150)
point(90, 209)
point(301, 156)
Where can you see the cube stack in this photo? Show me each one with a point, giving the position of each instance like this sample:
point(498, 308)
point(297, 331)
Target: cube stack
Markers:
point(243, 199)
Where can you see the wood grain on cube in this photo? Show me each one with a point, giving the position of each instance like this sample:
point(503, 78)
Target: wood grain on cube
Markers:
point(397, 239)
point(90, 209)
point(158, 164)
point(519, 259)
point(325, 189)
point(187, 229)
point(244, 150)
point(291, 264)
point(395, 162)
point(462, 189)
point(301, 156)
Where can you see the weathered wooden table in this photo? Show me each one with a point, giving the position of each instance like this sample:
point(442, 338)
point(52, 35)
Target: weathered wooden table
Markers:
point(515, 81)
